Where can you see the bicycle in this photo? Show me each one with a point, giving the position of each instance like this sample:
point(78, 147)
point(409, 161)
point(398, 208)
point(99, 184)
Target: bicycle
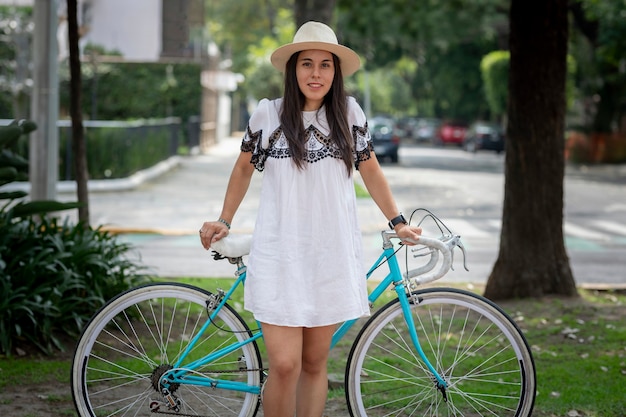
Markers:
point(176, 349)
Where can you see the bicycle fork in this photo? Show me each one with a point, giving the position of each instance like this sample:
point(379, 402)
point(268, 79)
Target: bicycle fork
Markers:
point(406, 300)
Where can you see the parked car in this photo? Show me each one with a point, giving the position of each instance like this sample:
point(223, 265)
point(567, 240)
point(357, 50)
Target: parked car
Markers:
point(406, 127)
point(426, 129)
point(484, 135)
point(450, 132)
point(418, 129)
point(385, 138)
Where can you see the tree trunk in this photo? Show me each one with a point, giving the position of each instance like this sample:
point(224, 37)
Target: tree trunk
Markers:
point(78, 138)
point(318, 10)
point(532, 260)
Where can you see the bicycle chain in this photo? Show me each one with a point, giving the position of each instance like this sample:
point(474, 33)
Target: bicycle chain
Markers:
point(174, 413)
point(234, 371)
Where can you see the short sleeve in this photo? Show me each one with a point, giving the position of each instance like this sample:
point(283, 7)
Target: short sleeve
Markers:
point(360, 132)
point(262, 123)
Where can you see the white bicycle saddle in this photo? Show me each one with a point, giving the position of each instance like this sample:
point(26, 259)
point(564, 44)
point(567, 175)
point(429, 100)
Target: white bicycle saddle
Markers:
point(233, 245)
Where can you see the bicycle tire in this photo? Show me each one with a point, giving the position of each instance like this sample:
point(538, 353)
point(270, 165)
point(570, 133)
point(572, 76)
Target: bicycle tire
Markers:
point(139, 334)
point(477, 348)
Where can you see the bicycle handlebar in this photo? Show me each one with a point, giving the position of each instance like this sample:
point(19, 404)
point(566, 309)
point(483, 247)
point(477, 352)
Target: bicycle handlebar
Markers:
point(235, 246)
point(439, 246)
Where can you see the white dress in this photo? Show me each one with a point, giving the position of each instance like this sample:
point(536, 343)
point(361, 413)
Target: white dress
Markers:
point(305, 266)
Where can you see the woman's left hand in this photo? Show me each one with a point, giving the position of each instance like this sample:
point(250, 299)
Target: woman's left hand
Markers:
point(409, 235)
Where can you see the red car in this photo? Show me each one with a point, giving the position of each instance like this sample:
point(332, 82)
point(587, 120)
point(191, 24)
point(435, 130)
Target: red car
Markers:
point(451, 132)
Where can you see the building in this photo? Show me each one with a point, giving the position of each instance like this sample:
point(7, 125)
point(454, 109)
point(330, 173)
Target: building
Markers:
point(153, 31)
point(141, 30)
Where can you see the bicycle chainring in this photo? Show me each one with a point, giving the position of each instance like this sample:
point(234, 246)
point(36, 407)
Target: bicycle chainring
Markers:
point(157, 374)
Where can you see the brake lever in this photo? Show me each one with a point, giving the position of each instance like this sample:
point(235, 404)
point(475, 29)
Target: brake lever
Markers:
point(459, 244)
point(452, 242)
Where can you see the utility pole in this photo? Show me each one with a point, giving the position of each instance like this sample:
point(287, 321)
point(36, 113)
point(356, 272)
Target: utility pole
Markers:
point(44, 141)
point(210, 98)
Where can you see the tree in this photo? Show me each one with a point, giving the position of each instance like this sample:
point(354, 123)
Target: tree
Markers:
point(600, 51)
point(78, 138)
point(236, 25)
point(318, 10)
point(532, 260)
point(446, 41)
point(16, 31)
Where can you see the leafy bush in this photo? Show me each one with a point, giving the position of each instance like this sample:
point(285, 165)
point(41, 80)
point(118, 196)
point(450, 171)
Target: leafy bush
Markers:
point(53, 276)
point(120, 149)
point(135, 90)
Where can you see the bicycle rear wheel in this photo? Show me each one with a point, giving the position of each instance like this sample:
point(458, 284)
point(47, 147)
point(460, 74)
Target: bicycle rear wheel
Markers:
point(137, 337)
point(473, 344)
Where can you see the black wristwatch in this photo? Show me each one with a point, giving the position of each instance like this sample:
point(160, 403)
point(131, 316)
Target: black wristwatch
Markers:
point(396, 221)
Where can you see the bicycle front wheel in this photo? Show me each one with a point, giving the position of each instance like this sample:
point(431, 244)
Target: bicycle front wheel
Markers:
point(138, 336)
point(477, 349)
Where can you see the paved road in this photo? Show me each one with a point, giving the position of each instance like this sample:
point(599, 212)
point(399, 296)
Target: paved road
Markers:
point(187, 190)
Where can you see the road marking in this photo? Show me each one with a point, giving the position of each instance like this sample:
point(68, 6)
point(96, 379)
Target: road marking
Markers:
point(496, 224)
point(466, 228)
point(612, 227)
point(583, 232)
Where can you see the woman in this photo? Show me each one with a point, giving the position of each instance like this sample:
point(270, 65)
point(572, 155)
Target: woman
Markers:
point(305, 270)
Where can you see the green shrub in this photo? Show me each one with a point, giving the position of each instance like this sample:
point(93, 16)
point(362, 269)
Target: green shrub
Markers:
point(120, 149)
point(53, 277)
point(135, 90)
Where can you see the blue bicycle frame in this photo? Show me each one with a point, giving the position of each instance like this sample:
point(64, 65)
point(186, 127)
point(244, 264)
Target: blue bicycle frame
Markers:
point(183, 373)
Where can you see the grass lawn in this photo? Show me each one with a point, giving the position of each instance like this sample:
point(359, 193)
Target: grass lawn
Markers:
point(579, 346)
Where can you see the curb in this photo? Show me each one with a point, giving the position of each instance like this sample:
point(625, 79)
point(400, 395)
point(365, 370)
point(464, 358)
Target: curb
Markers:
point(118, 184)
point(116, 230)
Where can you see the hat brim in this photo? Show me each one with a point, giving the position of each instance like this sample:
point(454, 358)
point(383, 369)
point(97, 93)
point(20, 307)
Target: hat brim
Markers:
point(348, 59)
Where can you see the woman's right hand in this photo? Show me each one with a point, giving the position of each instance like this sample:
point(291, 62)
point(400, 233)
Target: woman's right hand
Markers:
point(212, 232)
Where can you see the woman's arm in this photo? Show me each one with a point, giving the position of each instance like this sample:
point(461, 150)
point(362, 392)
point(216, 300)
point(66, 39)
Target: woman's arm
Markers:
point(235, 192)
point(379, 189)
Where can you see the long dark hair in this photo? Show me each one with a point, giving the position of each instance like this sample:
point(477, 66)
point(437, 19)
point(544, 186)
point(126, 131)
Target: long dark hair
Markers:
point(336, 105)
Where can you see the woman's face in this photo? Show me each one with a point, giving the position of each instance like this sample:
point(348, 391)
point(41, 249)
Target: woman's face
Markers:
point(315, 72)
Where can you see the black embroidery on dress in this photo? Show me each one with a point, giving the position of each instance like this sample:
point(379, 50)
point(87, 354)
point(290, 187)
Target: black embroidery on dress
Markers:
point(252, 143)
point(362, 144)
point(319, 146)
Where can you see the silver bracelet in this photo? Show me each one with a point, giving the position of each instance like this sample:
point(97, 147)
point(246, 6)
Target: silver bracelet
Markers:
point(225, 222)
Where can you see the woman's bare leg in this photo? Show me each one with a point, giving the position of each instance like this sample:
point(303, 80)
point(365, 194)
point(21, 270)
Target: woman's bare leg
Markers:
point(284, 350)
point(313, 383)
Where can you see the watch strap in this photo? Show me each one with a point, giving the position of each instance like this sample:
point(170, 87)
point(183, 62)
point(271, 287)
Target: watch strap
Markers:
point(396, 221)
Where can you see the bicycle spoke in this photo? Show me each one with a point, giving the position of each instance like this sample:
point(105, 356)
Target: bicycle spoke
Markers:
point(478, 351)
point(131, 346)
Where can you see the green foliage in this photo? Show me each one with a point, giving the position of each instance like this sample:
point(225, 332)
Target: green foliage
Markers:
point(494, 68)
point(120, 151)
point(390, 93)
point(52, 276)
point(446, 41)
point(236, 26)
point(264, 82)
point(261, 80)
point(598, 43)
point(129, 90)
point(14, 57)
point(611, 31)
point(495, 74)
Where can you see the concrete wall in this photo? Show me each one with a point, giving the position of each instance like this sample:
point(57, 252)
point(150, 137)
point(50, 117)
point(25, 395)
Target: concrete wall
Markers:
point(131, 27)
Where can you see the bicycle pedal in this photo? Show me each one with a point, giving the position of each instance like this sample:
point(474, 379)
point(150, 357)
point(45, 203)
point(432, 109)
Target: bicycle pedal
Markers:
point(155, 406)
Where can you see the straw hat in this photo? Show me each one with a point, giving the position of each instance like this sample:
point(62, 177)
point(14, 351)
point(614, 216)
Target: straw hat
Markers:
point(316, 35)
